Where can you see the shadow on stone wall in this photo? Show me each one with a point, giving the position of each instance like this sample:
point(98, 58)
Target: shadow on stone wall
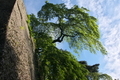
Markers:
point(6, 7)
point(9, 61)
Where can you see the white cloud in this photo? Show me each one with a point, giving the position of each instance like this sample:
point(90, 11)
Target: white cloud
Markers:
point(112, 43)
point(108, 15)
point(68, 3)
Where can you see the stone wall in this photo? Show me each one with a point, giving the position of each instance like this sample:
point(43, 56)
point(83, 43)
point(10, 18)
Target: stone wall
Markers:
point(17, 48)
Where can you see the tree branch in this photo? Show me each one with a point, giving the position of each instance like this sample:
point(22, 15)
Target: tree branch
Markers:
point(60, 39)
point(62, 35)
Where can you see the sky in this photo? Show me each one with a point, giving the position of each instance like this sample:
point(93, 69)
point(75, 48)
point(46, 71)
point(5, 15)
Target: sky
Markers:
point(108, 14)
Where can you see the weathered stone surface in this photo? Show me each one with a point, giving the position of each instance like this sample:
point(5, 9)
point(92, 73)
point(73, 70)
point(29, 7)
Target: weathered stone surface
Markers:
point(16, 54)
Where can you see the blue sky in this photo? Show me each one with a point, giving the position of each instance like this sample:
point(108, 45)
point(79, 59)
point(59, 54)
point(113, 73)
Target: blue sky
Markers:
point(108, 14)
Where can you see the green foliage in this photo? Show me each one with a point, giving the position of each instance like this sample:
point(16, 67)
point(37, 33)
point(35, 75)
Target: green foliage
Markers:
point(105, 77)
point(99, 76)
point(74, 25)
point(56, 64)
point(32, 24)
point(61, 65)
point(43, 40)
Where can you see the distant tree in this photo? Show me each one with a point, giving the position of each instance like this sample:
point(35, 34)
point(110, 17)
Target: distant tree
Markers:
point(94, 72)
point(74, 25)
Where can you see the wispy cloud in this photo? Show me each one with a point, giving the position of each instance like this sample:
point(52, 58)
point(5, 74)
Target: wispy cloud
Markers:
point(68, 3)
point(108, 15)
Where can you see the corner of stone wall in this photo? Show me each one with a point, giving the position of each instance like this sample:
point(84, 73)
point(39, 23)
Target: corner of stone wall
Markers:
point(17, 60)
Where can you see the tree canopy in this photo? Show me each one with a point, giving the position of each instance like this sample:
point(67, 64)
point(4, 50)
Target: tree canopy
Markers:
point(73, 25)
point(55, 23)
